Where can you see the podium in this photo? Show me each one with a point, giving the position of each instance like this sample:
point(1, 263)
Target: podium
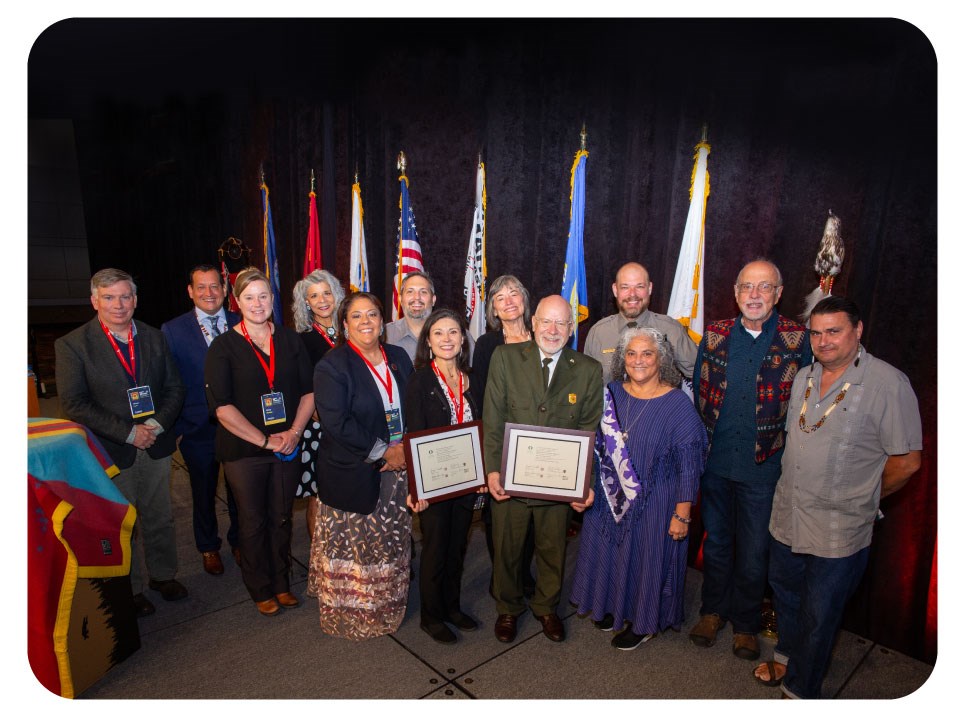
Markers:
point(80, 615)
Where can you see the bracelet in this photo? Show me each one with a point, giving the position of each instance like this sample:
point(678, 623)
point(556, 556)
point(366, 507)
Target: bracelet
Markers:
point(685, 521)
point(295, 431)
point(266, 441)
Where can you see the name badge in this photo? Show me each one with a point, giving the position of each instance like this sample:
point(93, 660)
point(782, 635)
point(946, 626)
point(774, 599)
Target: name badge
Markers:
point(273, 409)
point(393, 424)
point(141, 401)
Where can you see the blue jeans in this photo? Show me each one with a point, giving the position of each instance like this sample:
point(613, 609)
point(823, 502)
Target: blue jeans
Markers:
point(736, 516)
point(810, 593)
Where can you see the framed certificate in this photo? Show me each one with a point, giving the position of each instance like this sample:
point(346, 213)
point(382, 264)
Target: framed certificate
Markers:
point(547, 463)
point(444, 462)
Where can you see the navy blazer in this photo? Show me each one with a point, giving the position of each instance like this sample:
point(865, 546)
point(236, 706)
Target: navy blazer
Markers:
point(92, 386)
point(352, 420)
point(189, 349)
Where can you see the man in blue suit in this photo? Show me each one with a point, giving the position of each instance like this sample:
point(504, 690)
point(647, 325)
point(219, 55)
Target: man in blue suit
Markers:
point(188, 337)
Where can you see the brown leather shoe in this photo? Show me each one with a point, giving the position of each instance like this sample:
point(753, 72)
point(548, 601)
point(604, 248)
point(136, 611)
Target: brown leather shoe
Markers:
point(288, 600)
point(268, 607)
point(212, 562)
point(552, 627)
point(236, 555)
point(505, 629)
point(704, 633)
point(745, 646)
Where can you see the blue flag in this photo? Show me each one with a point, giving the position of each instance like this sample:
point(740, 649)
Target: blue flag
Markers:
point(272, 271)
point(574, 272)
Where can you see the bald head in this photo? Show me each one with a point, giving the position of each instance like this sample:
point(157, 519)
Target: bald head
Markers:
point(758, 289)
point(632, 289)
point(552, 324)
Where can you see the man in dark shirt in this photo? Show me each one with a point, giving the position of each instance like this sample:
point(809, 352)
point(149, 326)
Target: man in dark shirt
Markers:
point(743, 376)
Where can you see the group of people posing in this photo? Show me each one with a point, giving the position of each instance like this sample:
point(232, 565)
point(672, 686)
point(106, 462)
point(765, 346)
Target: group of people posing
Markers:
point(789, 482)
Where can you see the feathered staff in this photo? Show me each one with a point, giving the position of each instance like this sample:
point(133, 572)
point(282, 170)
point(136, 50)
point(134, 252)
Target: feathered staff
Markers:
point(827, 265)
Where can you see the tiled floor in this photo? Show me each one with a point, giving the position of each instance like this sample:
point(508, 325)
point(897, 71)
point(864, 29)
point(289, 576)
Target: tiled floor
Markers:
point(215, 644)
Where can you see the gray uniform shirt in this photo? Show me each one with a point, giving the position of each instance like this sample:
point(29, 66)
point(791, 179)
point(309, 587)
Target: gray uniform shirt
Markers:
point(602, 340)
point(398, 333)
point(829, 490)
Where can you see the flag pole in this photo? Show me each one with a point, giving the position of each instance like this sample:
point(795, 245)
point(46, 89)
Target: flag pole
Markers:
point(583, 137)
point(313, 182)
point(402, 167)
point(703, 133)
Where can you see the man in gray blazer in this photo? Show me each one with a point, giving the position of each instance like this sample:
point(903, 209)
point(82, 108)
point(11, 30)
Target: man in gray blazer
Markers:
point(540, 382)
point(118, 378)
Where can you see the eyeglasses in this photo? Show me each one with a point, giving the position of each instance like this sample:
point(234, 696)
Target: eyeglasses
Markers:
point(763, 288)
point(560, 324)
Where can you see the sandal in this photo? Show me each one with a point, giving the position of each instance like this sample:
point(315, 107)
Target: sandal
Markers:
point(773, 680)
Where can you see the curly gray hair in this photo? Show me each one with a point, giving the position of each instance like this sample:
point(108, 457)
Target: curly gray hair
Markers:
point(302, 314)
point(668, 371)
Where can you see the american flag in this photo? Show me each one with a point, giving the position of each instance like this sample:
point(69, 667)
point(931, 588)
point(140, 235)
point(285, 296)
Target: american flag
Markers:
point(409, 255)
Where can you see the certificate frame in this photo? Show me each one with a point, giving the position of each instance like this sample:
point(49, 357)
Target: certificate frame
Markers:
point(431, 454)
point(547, 463)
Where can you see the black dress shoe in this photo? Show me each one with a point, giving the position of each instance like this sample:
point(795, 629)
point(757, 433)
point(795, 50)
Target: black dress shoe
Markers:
point(552, 627)
point(462, 621)
point(169, 589)
point(505, 629)
point(439, 632)
point(142, 606)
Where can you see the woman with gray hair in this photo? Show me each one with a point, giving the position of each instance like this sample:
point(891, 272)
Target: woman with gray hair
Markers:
point(651, 446)
point(316, 300)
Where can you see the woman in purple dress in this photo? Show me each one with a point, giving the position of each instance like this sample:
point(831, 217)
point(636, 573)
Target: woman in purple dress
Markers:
point(651, 445)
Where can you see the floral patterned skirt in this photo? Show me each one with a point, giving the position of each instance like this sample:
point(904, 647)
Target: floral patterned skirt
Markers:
point(360, 565)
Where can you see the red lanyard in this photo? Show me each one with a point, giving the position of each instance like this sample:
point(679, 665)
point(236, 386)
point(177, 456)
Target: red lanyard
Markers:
point(323, 333)
point(130, 367)
point(457, 405)
point(270, 369)
point(388, 384)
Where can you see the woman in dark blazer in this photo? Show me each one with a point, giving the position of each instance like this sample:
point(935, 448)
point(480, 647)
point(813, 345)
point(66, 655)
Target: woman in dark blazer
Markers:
point(439, 394)
point(360, 555)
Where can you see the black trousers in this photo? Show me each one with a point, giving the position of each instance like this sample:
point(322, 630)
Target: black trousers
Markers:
point(444, 526)
point(264, 488)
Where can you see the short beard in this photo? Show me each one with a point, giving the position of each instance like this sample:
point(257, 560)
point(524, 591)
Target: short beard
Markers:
point(627, 313)
point(419, 315)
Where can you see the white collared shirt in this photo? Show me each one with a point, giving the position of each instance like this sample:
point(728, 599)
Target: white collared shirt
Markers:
point(205, 326)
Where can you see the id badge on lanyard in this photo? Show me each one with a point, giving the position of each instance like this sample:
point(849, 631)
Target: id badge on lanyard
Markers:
point(393, 425)
point(273, 409)
point(141, 401)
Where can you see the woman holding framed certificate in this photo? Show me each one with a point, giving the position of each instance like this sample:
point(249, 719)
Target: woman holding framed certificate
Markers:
point(439, 395)
point(651, 444)
point(360, 555)
point(258, 384)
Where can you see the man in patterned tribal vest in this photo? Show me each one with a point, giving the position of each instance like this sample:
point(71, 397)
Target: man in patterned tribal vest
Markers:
point(743, 377)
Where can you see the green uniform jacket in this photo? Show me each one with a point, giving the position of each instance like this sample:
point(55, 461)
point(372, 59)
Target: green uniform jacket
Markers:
point(514, 393)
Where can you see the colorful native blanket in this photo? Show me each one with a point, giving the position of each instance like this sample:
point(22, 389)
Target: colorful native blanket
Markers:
point(79, 526)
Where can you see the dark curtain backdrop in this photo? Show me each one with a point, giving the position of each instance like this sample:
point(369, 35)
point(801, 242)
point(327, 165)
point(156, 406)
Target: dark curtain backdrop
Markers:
point(174, 118)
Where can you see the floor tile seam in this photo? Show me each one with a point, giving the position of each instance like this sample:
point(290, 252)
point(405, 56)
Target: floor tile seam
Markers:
point(839, 694)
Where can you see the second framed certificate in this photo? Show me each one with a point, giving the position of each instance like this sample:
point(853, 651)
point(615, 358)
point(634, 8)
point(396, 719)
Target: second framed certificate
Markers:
point(547, 463)
point(444, 462)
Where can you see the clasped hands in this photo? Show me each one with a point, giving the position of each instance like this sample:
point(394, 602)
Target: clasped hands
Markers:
point(283, 442)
